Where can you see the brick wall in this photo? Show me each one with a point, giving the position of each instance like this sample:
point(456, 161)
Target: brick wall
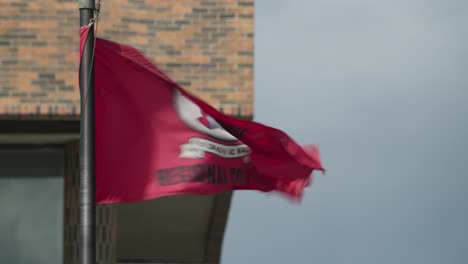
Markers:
point(205, 45)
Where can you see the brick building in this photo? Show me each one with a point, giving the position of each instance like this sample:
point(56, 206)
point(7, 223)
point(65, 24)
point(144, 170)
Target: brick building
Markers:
point(205, 45)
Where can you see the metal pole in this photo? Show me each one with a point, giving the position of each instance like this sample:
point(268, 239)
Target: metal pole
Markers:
point(87, 164)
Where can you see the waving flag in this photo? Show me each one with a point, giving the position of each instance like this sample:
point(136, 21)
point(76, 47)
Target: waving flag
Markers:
point(155, 139)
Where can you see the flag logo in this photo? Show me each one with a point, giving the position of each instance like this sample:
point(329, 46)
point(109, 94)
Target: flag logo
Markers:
point(195, 118)
point(227, 146)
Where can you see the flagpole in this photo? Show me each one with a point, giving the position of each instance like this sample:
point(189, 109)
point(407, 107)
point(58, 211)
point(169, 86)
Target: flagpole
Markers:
point(87, 165)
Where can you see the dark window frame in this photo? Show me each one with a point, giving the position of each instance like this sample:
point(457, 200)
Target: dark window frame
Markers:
point(59, 146)
point(43, 127)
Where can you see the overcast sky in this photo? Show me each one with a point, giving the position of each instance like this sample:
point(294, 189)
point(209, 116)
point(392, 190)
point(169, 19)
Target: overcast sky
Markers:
point(382, 87)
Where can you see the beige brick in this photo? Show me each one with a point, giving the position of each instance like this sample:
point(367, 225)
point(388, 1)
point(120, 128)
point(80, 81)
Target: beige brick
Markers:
point(46, 42)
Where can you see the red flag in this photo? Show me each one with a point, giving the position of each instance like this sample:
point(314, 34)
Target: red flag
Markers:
point(155, 139)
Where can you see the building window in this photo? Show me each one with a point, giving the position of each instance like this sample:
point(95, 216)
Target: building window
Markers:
point(31, 205)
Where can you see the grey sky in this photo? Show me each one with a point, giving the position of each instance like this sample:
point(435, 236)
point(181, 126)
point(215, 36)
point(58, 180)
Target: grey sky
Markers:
point(382, 86)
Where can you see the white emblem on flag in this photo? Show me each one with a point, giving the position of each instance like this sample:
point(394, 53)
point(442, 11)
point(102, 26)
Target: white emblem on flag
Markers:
point(195, 118)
